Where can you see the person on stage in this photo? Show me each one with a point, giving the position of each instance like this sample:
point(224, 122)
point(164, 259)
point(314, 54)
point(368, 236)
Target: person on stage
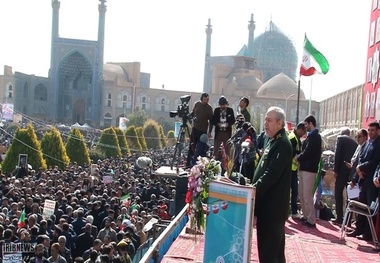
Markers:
point(202, 114)
point(223, 119)
point(272, 181)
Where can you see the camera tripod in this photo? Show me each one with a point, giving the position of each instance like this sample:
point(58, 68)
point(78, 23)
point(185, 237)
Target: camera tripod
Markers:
point(180, 143)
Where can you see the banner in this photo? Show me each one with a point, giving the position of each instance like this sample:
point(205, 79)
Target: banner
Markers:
point(7, 112)
point(93, 168)
point(177, 128)
point(123, 123)
point(107, 179)
point(230, 222)
point(49, 208)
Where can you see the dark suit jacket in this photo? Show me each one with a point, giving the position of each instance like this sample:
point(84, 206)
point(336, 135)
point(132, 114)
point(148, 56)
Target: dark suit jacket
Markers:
point(78, 223)
point(369, 158)
point(311, 152)
point(83, 242)
point(344, 149)
point(94, 231)
point(216, 120)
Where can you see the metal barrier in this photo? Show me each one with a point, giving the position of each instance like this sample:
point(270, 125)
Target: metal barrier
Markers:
point(162, 244)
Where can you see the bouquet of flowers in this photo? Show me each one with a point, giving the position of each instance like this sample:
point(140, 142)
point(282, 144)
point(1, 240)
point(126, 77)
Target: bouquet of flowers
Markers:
point(200, 177)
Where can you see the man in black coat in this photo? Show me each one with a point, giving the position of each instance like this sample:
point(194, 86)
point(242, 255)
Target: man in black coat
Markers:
point(344, 149)
point(223, 119)
point(309, 160)
point(79, 222)
point(272, 181)
point(84, 241)
point(369, 158)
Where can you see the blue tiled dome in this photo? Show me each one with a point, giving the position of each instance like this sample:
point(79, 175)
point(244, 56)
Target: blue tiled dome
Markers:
point(275, 53)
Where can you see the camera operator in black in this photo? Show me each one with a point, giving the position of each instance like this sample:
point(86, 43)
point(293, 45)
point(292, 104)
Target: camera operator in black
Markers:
point(245, 133)
point(223, 119)
point(202, 114)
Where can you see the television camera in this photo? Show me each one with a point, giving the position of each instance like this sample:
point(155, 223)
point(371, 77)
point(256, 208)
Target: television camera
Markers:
point(183, 110)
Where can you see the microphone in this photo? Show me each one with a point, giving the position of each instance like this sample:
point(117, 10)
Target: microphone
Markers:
point(237, 134)
point(144, 162)
point(246, 126)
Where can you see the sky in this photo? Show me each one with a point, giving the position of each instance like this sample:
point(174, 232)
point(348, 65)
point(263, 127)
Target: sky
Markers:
point(168, 37)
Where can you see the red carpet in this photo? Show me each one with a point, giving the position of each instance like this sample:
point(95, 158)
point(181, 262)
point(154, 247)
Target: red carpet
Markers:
point(303, 245)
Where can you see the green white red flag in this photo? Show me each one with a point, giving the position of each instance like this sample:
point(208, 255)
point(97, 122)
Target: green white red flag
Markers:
point(124, 200)
point(313, 61)
point(21, 221)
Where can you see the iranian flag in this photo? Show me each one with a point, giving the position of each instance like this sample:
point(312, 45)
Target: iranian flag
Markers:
point(124, 200)
point(313, 61)
point(21, 221)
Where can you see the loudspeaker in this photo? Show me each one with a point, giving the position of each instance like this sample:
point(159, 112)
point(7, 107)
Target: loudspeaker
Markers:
point(180, 193)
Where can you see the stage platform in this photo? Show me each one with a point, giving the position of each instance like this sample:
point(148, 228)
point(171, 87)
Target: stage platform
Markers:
point(303, 245)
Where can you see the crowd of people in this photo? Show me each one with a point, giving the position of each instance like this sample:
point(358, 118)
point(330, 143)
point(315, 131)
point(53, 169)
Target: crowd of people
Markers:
point(94, 220)
point(101, 214)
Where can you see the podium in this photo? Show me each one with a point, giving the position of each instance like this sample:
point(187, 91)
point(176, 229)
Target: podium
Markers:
point(229, 222)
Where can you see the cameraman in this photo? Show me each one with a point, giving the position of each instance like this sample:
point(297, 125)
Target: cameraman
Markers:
point(223, 119)
point(202, 114)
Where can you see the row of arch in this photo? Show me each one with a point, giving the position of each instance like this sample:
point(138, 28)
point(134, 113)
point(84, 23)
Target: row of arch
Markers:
point(40, 91)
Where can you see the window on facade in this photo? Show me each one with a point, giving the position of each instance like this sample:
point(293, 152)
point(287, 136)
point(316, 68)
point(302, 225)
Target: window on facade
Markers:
point(25, 91)
point(143, 106)
point(162, 107)
point(143, 99)
point(40, 93)
point(109, 100)
point(163, 101)
point(125, 101)
point(10, 92)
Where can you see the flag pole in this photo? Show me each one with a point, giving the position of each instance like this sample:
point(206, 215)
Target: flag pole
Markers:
point(311, 88)
point(298, 100)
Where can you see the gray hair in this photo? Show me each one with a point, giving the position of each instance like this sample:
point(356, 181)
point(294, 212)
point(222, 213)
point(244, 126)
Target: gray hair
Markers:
point(345, 131)
point(280, 114)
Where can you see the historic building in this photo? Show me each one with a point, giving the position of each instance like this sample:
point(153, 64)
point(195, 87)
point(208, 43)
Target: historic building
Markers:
point(342, 110)
point(7, 86)
point(81, 88)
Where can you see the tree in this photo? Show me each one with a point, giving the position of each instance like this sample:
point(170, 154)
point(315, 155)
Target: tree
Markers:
point(76, 148)
point(170, 138)
point(132, 140)
point(141, 138)
point(12, 128)
point(122, 142)
point(167, 124)
point(54, 150)
point(152, 134)
point(138, 118)
point(163, 139)
point(24, 142)
point(108, 143)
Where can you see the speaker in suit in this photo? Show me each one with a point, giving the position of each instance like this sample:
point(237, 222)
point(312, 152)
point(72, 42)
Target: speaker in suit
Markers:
point(369, 158)
point(344, 149)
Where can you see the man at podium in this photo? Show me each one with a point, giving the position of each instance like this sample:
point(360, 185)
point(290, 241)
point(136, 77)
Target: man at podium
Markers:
point(272, 181)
